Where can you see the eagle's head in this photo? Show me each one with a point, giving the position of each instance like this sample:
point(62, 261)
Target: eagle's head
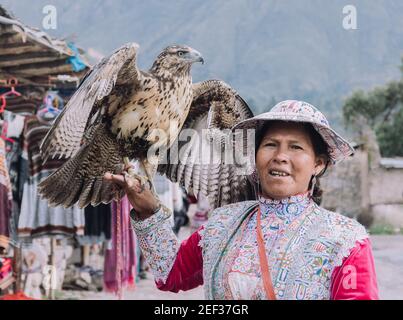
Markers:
point(177, 59)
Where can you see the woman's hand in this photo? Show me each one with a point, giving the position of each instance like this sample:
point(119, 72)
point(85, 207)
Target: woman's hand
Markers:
point(140, 196)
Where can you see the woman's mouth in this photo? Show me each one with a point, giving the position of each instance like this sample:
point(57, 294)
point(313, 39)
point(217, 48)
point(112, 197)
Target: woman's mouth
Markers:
point(278, 173)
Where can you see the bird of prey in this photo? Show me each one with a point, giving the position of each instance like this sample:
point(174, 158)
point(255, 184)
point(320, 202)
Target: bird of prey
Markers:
point(113, 114)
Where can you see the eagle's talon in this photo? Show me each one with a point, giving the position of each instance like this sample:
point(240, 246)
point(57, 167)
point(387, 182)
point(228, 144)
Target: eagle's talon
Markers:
point(143, 180)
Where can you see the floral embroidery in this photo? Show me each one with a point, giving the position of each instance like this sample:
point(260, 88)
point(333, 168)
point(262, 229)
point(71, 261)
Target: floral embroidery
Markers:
point(145, 226)
point(304, 244)
point(276, 215)
point(303, 249)
point(285, 209)
point(214, 235)
point(157, 242)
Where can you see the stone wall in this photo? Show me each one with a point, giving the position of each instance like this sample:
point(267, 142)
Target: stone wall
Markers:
point(371, 193)
point(386, 196)
point(386, 186)
point(345, 186)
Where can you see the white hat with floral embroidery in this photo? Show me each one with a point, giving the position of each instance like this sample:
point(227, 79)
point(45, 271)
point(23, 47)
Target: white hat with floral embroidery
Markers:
point(300, 111)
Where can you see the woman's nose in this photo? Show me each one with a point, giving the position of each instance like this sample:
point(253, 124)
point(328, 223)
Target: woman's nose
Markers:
point(280, 155)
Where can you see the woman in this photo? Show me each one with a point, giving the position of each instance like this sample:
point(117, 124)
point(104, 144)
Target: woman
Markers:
point(282, 246)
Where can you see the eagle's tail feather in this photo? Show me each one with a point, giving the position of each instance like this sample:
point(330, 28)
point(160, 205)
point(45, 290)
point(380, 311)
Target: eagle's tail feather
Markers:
point(80, 179)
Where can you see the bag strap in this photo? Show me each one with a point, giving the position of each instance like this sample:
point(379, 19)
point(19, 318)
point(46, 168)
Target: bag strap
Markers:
point(264, 264)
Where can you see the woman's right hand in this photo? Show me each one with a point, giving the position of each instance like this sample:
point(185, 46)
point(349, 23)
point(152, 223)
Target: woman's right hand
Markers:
point(140, 196)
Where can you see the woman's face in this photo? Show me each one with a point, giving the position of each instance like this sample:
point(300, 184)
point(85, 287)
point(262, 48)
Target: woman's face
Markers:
point(286, 161)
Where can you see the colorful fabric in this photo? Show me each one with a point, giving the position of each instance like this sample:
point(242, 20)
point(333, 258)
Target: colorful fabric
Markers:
point(302, 258)
point(98, 225)
point(6, 273)
point(5, 267)
point(5, 193)
point(244, 277)
point(127, 250)
point(36, 217)
point(300, 111)
point(356, 279)
point(76, 60)
point(187, 268)
point(187, 272)
point(4, 176)
point(23, 105)
point(158, 242)
point(308, 251)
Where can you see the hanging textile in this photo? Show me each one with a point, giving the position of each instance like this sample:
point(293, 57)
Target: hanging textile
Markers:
point(124, 236)
point(6, 273)
point(12, 129)
point(76, 61)
point(97, 225)
point(5, 196)
point(36, 217)
point(21, 105)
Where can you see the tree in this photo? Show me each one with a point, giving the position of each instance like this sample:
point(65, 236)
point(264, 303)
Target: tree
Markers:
point(382, 108)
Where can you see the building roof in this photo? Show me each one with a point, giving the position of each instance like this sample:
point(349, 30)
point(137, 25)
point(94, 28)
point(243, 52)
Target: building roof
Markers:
point(392, 163)
point(32, 55)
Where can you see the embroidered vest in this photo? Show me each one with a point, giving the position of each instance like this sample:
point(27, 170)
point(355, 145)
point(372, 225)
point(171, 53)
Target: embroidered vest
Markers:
point(302, 260)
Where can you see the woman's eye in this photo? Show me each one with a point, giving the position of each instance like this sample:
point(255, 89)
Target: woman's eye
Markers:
point(270, 144)
point(296, 147)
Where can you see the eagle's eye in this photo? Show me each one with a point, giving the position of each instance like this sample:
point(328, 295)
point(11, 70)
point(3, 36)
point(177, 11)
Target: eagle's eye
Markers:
point(181, 53)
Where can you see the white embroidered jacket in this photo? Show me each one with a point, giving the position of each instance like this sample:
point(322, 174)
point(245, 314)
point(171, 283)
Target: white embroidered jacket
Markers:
point(304, 243)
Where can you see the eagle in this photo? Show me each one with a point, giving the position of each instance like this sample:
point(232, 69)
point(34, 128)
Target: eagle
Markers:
point(120, 113)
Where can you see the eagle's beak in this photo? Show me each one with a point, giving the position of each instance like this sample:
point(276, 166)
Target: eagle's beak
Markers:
point(195, 56)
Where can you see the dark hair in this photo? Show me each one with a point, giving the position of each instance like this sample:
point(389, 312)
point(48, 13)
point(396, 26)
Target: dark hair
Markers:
point(320, 148)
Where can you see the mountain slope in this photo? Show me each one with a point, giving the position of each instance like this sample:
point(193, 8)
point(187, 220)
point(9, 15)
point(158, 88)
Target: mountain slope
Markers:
point(268, 50)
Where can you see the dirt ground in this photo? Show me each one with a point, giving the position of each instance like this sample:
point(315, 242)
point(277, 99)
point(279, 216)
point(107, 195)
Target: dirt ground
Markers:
point(388, 255)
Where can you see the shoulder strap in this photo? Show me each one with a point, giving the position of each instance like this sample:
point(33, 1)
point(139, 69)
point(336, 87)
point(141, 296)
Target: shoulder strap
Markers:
point(264, 264)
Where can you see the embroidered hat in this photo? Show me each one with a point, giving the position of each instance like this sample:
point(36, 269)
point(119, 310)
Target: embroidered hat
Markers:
point(300, 111)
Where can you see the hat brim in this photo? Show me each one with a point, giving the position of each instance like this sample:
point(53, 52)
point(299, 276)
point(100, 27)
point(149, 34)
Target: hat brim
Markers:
point(339, 148)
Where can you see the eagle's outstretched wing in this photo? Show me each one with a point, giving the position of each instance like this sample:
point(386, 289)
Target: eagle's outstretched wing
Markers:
point(203, 160)
point(113, 74)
